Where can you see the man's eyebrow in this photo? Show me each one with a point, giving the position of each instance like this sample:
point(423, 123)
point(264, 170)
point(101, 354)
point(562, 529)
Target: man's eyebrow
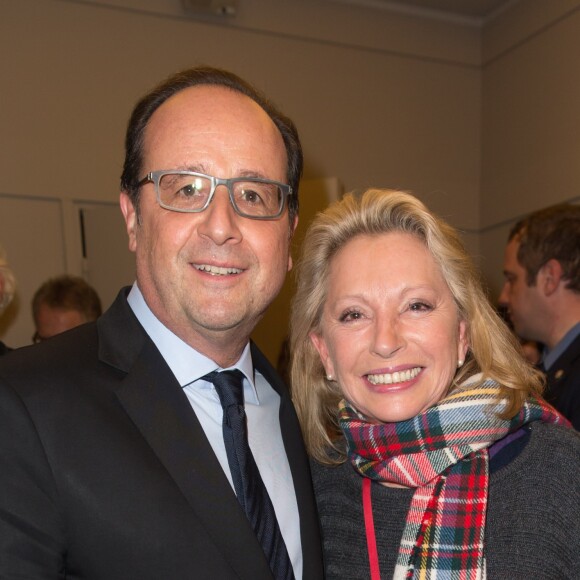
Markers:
point(253, 174)
point(200, 168)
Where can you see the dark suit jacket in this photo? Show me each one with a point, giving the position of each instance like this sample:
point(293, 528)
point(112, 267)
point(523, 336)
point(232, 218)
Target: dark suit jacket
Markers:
point(4, 349)
point(563, 383)
point(106, 473)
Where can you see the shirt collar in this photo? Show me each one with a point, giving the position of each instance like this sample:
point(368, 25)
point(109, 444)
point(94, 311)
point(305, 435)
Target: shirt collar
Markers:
point(551, 356)
point(187, 364)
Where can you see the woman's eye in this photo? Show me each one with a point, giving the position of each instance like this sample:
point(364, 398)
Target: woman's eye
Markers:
point(420, 307)
point(350, 315)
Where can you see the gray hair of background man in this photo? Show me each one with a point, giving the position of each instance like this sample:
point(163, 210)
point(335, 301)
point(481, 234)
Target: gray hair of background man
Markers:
point(7, 282)
point(552, 233)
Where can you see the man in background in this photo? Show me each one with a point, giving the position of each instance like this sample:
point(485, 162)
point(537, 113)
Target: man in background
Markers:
point(63, 303)
point(7, 289)
point(158, 442)
point(542, 295)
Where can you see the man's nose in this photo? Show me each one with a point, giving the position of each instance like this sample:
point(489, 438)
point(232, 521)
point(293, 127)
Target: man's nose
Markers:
point(220, 222)
point(503, 298)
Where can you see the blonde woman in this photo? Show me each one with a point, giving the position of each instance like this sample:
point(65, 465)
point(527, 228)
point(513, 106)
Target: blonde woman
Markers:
point(434, 455)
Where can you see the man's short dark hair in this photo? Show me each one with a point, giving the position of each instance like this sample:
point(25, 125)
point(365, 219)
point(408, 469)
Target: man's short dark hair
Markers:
point(68, 293)
point(145, 108)
point(548, 234)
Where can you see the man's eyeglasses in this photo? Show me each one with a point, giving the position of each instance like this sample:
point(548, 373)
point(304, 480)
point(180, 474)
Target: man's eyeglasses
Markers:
point(191, 192)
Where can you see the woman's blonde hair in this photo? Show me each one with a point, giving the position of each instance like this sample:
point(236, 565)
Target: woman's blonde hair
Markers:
point(493, 350)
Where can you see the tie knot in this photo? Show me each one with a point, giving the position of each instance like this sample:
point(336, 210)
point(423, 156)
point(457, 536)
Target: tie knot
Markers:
point(229, 387)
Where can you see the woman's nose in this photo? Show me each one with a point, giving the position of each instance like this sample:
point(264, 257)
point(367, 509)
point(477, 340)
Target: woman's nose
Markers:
point(387, 338)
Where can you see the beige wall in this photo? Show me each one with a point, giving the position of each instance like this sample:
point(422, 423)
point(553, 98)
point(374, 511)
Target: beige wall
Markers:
point(379, 99)
point(479, 125)
point(531, 119)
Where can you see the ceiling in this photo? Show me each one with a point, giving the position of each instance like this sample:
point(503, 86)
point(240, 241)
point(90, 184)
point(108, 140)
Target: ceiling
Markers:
point(474, 10)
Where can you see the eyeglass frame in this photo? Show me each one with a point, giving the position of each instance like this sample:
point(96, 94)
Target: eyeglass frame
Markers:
point(154, 177)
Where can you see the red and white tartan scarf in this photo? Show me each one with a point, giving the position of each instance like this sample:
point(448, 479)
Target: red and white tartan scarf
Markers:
point(443, 453)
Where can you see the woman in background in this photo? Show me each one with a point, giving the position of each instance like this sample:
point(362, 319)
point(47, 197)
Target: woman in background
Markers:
point(434, 455)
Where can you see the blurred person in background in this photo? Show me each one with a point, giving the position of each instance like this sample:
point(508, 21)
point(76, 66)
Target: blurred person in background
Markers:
point(7, 290)
point(63, 303)
point(531, 349)
point(541, 293)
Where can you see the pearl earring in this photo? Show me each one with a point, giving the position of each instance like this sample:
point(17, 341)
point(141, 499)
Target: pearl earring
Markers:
point(459, 364)
point(329, 378)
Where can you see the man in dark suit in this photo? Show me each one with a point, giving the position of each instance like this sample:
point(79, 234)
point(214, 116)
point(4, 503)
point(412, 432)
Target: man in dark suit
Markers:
point(113, 462)
point(542, 296)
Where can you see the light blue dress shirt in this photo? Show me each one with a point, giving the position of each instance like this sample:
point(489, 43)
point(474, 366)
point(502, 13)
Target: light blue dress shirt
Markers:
point(262, 405)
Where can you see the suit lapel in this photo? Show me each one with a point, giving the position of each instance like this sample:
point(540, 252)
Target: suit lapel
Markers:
point(161, 411)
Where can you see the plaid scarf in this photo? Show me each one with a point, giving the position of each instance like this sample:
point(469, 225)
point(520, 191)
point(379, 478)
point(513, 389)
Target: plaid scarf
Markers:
point(443, 454)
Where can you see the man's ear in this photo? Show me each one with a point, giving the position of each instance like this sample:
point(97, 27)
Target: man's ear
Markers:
point(294, 226)
point(130, 215)
point(292, 232)
point(550, 276)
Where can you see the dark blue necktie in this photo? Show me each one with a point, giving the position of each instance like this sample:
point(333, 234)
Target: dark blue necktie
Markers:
point(250, 488)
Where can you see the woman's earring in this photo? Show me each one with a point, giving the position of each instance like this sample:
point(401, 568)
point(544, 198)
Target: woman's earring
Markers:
point(329, 378)
point(459, 364)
